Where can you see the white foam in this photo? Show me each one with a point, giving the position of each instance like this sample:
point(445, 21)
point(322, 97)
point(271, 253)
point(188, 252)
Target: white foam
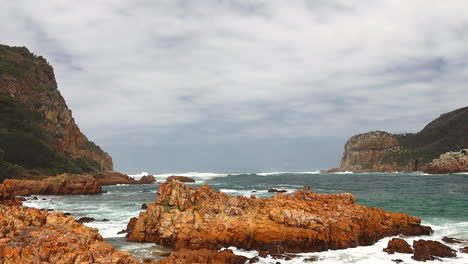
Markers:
point(342, 172)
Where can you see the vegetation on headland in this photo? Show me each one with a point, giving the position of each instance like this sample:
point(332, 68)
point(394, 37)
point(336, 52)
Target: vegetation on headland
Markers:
point(26, 148)
point(447, 133)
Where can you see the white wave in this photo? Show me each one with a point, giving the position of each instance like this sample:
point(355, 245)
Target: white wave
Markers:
point(342, 172)
point(289, 172)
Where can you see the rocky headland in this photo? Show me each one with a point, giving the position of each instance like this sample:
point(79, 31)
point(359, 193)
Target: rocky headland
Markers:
point(38, 135)
point(196, 218)
point(379, 151)
point(113, 177)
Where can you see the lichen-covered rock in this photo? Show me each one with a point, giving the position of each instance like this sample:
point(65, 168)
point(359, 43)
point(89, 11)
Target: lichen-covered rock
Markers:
point(430, 250)
point(30, 236)
point(113, 177)
point(186, 217)
point(58, 185)
point(450, 162)
point(398, 245)
point(205, 256)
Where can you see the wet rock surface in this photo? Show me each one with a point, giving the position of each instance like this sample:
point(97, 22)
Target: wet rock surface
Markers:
point(113, 178)
point(431, 250)
point(207, 256)
point(398, 245)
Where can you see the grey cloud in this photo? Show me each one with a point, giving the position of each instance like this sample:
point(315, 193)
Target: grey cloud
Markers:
point(151, 74)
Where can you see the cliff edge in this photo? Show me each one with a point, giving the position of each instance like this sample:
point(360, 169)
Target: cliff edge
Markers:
point(38, 134)
point(379, 151)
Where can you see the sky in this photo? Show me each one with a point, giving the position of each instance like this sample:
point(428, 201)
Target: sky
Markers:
point(245, 86)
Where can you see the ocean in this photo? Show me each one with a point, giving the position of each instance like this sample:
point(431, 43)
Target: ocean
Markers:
point(441, 201)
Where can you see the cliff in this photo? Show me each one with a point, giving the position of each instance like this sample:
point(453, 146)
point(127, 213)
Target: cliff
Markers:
point(382, 151)
point(37, 130)
point(195, 218)
point(450, 162)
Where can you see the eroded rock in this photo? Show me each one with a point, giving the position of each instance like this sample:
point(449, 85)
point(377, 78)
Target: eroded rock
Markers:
point(207, 256)
point(430, 250)
point(186, 217)
point(398, 245)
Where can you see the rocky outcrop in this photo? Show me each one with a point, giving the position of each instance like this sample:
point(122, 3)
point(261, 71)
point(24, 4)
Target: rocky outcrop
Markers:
point(367, 152)
point(58, 185)
point(180, 178)
point(31, 80)
point(430, 250)
point(450, 162)
point(398, 245)
point(380, 151)
point(186, 217)
point(113, 177)
point(206, 256)
point(32, 236)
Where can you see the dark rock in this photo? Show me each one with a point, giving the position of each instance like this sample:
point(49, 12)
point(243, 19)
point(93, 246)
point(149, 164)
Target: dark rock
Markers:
point(398, 245)
point(430, 250)
point(452, 240)
point(86, 219)
point(34, 198)
point(397, 260)
point(21, 199)
point(464, 250)
point(144, 206)
point(66, 214)
point(105, 220)
point(276, 190)
point(180, 178)
point(43, 199)
point(254, 260)
point(311, 259)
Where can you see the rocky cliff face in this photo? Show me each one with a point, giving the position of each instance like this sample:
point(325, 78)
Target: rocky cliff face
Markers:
point(186, 217)
point(31, 80)
point(382, 151)
point(450, 162)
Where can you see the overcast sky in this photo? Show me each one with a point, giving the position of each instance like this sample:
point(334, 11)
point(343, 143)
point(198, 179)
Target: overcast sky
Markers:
point(233, 86)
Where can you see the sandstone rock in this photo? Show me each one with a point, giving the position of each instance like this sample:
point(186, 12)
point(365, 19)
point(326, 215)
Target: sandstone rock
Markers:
point(30, 236)
point(113, 178)
point(366, 152)
point(61, 184)
point(430, 250)
point(35, 86)
point(186, 217)
point(180, 178)
point(450, 162)
point(398, 245)
point(206, 256)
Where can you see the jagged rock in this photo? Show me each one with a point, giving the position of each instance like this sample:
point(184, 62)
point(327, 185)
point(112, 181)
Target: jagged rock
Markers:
point(398, 245)
point(144, 206)
point(113, 177)
point(30, 236)
point(450, 162)
point(180, 178)
point(186, 217)
point(206, 256)
point(61, 184)
point(430, 250)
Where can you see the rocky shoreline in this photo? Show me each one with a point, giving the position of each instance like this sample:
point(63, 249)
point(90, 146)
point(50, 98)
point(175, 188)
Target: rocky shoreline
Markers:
point(196, 218)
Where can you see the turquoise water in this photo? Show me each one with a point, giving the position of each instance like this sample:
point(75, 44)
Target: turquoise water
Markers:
point(441, 201)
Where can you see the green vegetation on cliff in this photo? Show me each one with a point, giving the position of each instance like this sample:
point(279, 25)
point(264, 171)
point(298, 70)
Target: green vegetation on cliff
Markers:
point(26, 147)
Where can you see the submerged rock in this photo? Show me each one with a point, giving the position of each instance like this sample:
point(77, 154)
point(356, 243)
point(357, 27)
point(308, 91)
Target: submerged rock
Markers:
point(180, 178)
point(430, 250)
point(276, 190)
point(186, 217)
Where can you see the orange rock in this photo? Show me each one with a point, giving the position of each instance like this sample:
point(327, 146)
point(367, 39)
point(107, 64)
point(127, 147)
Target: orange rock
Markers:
point(113, 177)
point(450, 162)
point(398, 245)
point(30, 236)
point(61, 184)
point(186, 217)
point(206, 256)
